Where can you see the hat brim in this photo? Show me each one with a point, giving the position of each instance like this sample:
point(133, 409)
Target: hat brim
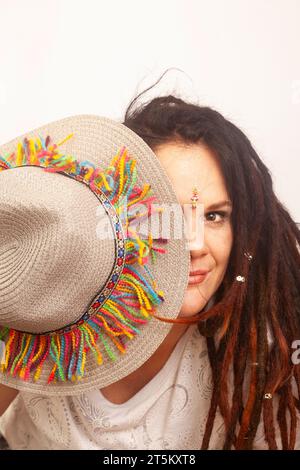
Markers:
point(97, 140)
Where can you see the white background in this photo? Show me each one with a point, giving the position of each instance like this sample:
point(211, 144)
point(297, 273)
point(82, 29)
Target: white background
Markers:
point(242, 57)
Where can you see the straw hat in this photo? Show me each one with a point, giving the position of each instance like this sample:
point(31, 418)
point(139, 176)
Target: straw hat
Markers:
point(80, 283)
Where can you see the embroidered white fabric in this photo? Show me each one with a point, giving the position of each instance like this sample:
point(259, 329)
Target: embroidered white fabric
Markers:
point(168, 413)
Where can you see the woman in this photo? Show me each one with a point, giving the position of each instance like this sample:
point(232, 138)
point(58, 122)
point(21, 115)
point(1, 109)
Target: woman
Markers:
point(250, 262)
point(223, 377)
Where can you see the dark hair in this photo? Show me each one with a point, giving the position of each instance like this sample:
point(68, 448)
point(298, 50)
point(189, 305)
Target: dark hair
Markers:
point(245, 313)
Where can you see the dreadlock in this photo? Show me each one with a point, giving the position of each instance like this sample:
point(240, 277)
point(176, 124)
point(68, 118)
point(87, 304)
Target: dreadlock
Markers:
point(245, 315)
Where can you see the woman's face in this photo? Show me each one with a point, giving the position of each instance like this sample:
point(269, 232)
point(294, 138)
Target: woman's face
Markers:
point(195, 166)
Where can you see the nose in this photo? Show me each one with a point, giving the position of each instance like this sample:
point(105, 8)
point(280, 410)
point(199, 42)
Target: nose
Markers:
point(194, 233)
point(199, 251)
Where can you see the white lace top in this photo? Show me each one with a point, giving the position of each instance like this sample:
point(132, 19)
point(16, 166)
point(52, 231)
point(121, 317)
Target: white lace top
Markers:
point(168, 413)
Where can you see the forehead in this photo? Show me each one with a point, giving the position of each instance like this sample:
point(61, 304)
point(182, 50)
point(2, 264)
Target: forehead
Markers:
point(190, 166)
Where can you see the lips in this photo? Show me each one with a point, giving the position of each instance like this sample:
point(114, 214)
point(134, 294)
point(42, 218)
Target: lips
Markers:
point(199, 272)
point(198, 276)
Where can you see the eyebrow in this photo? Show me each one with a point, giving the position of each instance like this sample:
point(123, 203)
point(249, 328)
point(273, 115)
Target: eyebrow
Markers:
point(218, 205)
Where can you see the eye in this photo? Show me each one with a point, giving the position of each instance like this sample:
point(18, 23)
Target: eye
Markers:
point(217, 217)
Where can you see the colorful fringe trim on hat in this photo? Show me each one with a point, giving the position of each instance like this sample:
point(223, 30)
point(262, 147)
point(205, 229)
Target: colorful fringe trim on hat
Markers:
point(130, 298)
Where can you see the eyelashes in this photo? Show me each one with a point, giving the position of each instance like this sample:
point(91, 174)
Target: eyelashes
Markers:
point(216, 217)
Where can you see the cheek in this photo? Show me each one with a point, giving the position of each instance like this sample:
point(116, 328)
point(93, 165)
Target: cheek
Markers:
point(221, 246)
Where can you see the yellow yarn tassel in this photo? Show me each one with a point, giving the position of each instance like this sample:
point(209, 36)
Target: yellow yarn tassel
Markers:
point(92, 340)
point(20, 153)
point(118, 314)
point(37, 356)
point(33, 160)
point(7, 352)
point(121, 183)
point(141, 196)
point(104, 180)
point(140, 294)
point(65, 140)
point(20, 361)
point(88, 174)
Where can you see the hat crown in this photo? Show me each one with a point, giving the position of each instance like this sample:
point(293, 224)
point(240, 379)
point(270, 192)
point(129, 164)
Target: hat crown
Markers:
point(48, 238)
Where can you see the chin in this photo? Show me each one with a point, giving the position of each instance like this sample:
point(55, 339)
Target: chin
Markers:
point(193, 303)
